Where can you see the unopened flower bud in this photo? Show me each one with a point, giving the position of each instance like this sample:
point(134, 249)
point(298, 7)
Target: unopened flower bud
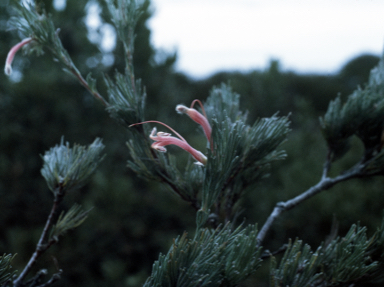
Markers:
point(12, 53)
point(197, 117)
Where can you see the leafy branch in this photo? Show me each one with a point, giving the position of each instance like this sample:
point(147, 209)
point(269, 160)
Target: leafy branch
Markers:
point(64, 170)
point(360, 116)
point(35, 24)
point(352, 259)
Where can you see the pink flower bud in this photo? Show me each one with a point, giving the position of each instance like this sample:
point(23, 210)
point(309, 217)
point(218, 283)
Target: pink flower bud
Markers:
point(197, 117)
point(12, 53)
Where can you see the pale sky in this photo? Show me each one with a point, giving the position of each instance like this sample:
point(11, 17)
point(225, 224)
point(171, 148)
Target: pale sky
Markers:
point(316, 36)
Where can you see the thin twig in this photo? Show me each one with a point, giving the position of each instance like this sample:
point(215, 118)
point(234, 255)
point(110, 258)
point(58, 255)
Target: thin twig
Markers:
point(192, 201)
point(130, 68)
point(42, 245)
point(37, 278)
point(324, 184)
point(327, 167)
point(72, 68)
point(85, 84)
point(55, 277)
point(268, 254)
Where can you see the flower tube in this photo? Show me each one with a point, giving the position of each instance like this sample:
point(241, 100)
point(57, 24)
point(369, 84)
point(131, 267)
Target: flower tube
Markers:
point(197, 117)
point(163, 139)
point(12, 53)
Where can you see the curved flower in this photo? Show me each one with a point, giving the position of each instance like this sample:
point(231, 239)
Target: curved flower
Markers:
point(12, 53)
point(163, 139)
point(197, 117)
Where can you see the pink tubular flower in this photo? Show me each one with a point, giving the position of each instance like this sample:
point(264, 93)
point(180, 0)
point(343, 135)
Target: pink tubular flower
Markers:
point(11, 55)
point(163, 139)
point(197, 117)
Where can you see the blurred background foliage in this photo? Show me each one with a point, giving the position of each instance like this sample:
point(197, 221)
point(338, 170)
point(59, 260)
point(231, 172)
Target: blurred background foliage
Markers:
point(133, 220)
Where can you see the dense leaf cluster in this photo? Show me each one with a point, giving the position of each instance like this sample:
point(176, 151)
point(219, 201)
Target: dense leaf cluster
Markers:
point(362, 115)
point(344, 261)
point(5, 268)
point(68, 168)
point(219, 257)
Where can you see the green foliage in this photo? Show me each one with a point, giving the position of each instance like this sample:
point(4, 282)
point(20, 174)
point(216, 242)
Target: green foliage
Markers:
point(346, 257)
point(341, 262)
point(219, 257)
point(296, 268)
point(240, 154)
point(67, 168)
point(361, 115)
point(5, 267)
point(224, 103)
point(74, 217)
point(125, 15)
point(126, 104)
point(126, 98)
